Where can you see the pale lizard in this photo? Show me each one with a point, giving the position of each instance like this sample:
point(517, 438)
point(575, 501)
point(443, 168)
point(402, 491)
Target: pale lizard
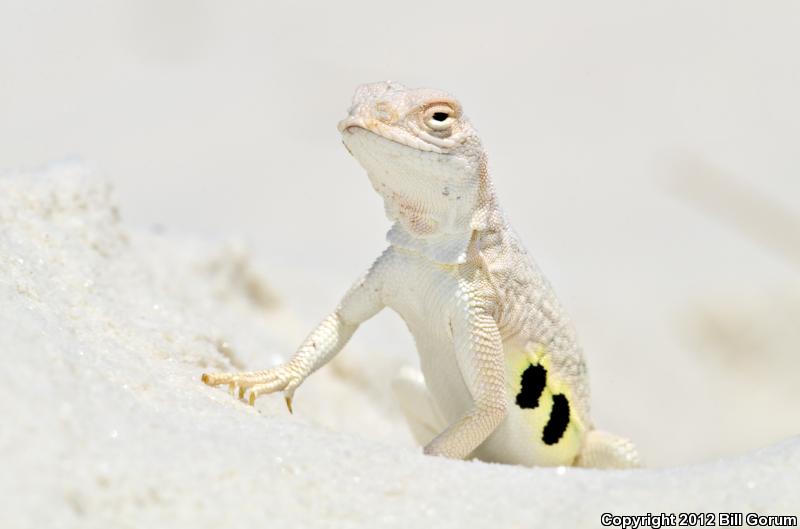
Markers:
point(503, 377)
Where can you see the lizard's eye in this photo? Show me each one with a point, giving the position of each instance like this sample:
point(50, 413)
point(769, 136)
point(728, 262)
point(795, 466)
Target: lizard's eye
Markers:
point(439, 118)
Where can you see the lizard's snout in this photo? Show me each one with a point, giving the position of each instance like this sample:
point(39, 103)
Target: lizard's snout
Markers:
point(348, 123)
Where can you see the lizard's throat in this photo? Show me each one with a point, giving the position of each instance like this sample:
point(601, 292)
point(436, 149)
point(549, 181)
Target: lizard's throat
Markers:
point(415, 216)
point(428, 211)
point(439, 227)
point(435, 200)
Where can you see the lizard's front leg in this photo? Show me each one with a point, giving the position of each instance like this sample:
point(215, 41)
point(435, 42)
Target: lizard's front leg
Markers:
point(321, 345)
point(479, 350)
point(361, 303)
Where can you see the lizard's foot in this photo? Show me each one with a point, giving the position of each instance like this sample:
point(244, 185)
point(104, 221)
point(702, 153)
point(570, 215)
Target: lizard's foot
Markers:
point(255, 383)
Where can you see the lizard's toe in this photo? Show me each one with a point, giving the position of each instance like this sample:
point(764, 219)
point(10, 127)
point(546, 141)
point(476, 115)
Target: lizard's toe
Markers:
point(263, 389)
point(242, 381)
point(252, 384)
point(216, 379)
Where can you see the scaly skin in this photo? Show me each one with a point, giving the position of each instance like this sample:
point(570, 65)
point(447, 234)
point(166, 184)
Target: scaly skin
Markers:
point(503, 375)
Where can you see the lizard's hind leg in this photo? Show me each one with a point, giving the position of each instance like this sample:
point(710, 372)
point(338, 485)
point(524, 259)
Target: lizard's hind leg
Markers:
point(419, 409)
point(604, 450)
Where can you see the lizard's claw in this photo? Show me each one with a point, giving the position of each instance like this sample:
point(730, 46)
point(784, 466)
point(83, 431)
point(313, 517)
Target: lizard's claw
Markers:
point(256, 383)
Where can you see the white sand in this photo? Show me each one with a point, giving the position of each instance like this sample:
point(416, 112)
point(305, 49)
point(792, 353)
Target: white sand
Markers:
point(104, 333)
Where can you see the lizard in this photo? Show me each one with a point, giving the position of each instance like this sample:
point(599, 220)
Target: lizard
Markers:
point(503, 377)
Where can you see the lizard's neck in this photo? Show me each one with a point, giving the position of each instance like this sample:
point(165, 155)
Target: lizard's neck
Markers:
point(452, 245)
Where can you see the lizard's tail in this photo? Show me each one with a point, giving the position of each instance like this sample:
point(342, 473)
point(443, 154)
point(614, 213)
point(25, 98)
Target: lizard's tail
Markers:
point(415, 401)
point(604, 450)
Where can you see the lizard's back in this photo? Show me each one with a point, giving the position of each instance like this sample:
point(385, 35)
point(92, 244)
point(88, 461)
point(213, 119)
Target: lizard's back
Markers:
point(546, 378)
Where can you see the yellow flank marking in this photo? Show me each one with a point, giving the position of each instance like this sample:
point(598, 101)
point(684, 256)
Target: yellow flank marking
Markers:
point(568, 446)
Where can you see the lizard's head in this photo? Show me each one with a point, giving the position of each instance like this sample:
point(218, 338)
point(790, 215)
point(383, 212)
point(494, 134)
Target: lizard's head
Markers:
point(423, 157)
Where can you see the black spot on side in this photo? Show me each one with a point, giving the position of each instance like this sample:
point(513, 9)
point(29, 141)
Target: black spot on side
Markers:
point(533, 382)
point(559, 419)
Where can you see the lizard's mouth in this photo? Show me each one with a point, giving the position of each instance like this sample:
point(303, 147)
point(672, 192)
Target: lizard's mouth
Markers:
point(348, 123)
point(388, 134)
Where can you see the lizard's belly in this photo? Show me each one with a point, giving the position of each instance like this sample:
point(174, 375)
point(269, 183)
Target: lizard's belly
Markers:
point(541, 427)
point(424, 307)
